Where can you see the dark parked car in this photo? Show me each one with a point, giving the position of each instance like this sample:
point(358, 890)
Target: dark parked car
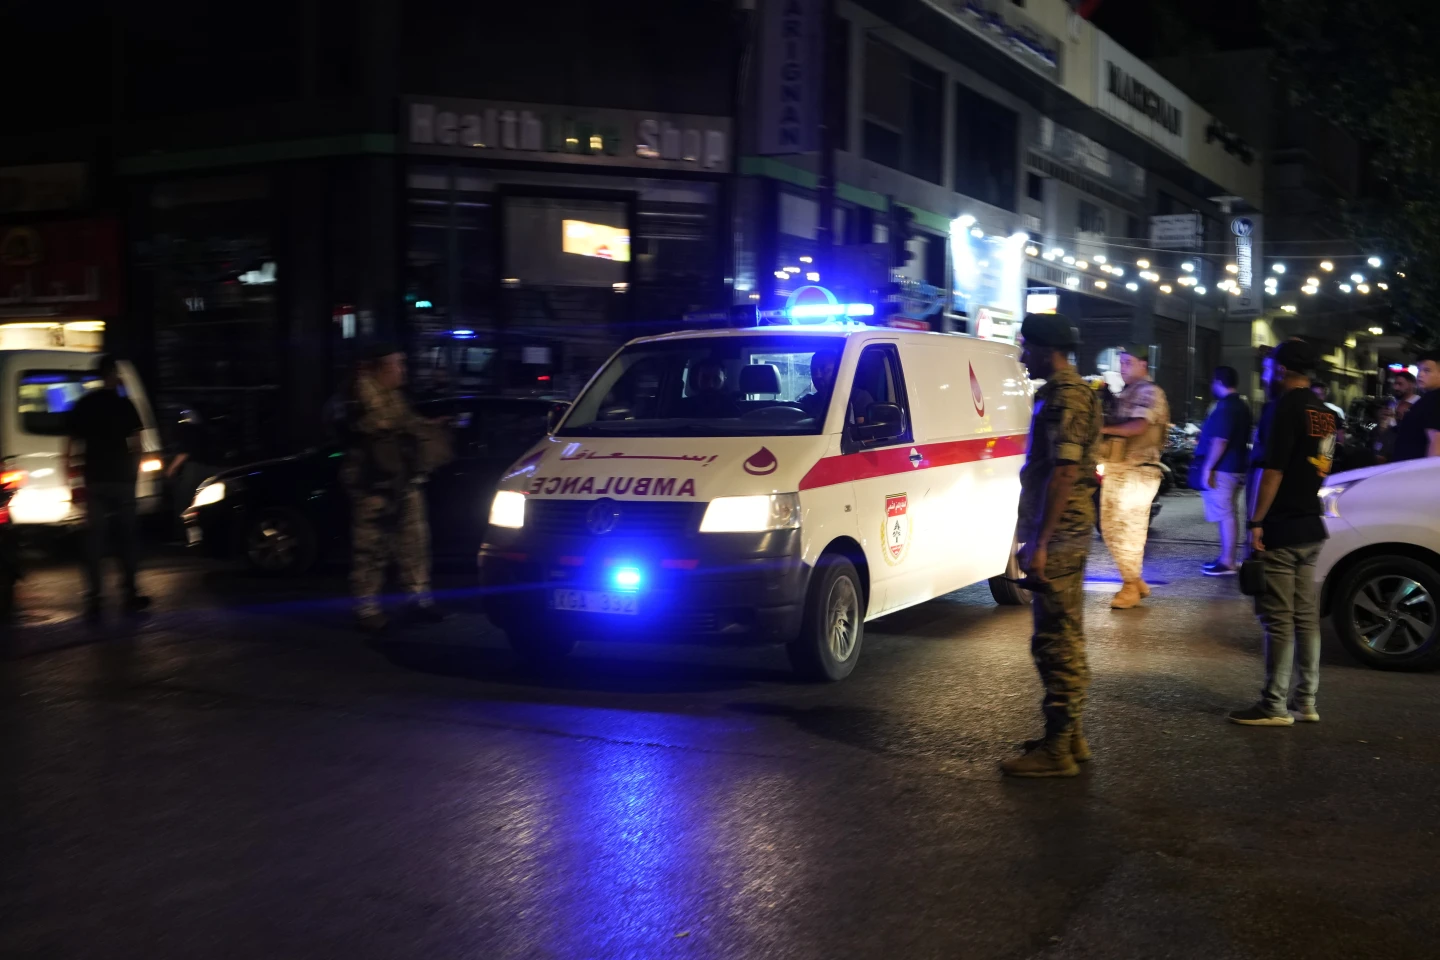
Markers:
point(285, 515)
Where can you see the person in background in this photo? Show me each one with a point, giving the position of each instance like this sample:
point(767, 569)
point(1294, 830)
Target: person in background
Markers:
point(107, 427)
point(387, 505)
point(193, 462)
point(1418, 434)
point(823, 364)
point(1142, 415)
point(1322, 393)
point(708, 398)
point(1287, 532)
point(1221, 459)
point(1403, 394)
point(1056, 524)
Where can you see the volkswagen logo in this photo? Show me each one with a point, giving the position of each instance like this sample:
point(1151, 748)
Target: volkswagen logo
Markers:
point(602, 517)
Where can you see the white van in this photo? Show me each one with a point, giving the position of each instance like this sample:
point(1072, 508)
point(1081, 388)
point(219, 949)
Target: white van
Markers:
point(37, 390)
point(704, 486)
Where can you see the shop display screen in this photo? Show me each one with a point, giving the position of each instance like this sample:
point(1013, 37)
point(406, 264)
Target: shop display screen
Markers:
point(595, 240)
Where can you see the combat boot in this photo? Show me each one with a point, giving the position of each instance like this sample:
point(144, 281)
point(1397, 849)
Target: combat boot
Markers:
point(1144, 589)
point(1050, 758)
point(1079, 746)
point(1129, 596)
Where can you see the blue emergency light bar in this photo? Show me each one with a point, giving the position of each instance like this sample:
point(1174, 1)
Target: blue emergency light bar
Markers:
point(811, 311)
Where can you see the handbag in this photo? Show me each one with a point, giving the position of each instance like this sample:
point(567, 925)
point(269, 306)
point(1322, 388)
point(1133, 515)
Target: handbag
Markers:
point(1252, 575)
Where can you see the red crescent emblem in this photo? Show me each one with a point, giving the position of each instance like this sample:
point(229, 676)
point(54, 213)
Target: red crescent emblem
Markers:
point(976, 394)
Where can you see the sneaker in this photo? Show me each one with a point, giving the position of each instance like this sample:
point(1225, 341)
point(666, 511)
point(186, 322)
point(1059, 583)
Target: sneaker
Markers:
point(1214, 569)
point(1305, 714)
point(1258, 716)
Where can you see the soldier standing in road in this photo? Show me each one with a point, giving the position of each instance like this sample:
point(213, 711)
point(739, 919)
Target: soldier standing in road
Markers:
point(1132, 477)
point(1057, 517)
point(383, 475)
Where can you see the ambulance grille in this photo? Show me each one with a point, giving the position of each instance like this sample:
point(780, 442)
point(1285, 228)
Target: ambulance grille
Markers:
point(570, 518)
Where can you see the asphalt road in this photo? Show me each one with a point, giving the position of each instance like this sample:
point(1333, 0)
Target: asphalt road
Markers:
point(239, 776)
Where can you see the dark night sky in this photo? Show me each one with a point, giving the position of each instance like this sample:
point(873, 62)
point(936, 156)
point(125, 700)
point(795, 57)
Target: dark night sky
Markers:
point(1158, 28)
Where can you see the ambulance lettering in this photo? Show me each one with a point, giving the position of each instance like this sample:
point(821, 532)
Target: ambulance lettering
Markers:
point(614, 486)
point(895, 528)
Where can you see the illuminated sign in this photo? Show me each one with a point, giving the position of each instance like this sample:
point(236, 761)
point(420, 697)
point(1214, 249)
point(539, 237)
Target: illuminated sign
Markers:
point(1042, 303)
point(595, 240)
point(988, 283)
point(1001, 25)
point(1244, 297)
point(571, 135)
point(790, 76)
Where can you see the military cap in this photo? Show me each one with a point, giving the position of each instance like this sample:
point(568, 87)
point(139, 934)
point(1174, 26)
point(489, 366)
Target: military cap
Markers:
point(1051, 329)
point(1140, 351)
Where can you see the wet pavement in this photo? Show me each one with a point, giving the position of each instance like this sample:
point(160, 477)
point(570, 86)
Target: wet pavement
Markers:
point(240, 776)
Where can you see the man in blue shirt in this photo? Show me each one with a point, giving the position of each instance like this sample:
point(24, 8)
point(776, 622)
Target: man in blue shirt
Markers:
point(1218, 469)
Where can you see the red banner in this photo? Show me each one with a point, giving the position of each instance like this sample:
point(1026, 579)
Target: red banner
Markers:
point(60, 268)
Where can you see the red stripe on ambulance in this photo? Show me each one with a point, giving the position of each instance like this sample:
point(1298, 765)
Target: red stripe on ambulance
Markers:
point(868, 464)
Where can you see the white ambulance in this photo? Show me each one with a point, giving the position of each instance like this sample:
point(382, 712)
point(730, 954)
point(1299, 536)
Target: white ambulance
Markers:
point(767, 485)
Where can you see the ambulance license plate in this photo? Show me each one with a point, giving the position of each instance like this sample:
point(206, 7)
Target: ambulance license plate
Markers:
point(595, 601)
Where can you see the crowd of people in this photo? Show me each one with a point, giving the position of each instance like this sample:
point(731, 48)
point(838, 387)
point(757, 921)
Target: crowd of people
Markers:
point(1280, 461)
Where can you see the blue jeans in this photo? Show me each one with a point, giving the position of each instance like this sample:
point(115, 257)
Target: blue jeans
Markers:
point(1291, 618)
point(105, 502)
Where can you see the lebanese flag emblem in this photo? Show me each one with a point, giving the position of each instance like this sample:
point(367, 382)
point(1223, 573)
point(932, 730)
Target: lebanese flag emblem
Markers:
point(976, 394)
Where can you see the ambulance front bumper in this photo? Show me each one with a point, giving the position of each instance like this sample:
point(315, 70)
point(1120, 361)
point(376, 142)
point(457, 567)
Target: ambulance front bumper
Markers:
point(741, 588)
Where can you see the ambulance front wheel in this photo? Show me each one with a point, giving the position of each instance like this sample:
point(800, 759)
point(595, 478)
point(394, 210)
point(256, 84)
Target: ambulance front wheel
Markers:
point(833, 628)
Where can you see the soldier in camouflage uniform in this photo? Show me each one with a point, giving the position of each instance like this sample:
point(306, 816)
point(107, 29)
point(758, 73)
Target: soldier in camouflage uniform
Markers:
point(1132, 478)
point(1057, 517)
point(387, 501)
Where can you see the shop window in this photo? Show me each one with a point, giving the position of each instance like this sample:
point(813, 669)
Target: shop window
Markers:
point(1091, 218)
point(903, 100)
point(986, 149)
point(1035, 187)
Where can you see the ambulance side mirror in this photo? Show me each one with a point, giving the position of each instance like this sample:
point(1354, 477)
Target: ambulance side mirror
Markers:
point(556, 414)
point(883, 421)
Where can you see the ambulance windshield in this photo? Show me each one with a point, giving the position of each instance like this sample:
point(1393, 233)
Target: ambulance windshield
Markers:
point(711, 387)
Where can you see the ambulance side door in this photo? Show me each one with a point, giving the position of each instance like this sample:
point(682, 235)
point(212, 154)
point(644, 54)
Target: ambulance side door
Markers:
point(886, 506)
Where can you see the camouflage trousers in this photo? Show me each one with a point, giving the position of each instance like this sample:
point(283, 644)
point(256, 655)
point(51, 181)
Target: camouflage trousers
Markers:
point(385, 526)
point(1125, 499)
point(1058, 644)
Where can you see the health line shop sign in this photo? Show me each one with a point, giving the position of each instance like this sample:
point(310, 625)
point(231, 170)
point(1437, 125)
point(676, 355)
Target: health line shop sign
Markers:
point(573, 135)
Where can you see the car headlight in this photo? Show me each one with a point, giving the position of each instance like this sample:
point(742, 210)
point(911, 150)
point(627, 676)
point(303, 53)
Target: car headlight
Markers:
point(774, 511)
point(208, 493)
point(508, 509)
point(1330, 497)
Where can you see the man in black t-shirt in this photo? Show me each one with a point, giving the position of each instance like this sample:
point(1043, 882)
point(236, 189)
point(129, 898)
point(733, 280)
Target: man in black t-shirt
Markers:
point(107, 428)
point(1418, 434)
point(1287, 531)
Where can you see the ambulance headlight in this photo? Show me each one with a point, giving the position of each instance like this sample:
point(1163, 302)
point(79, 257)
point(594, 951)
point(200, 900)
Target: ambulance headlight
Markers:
point(508, 509)
point(775, 511)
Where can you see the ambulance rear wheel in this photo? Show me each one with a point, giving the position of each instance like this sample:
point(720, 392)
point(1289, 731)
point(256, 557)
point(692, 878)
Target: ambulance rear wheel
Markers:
point(1003, 588)
point(833, 629)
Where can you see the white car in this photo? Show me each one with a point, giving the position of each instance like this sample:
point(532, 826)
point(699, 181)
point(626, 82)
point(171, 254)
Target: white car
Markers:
point(1380, 569)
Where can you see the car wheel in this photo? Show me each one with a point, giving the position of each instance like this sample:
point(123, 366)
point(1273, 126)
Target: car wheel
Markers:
point(1006, 592)
point(1387, 613)
point(834, 624)
point(280, 542)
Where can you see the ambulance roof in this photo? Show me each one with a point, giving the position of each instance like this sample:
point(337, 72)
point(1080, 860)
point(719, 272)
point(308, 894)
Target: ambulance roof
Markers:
point(836, 330)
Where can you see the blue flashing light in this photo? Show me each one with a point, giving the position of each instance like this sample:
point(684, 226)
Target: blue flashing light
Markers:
point(627, 578)
point(463, 334)
point(812, 311)
point(423, 304)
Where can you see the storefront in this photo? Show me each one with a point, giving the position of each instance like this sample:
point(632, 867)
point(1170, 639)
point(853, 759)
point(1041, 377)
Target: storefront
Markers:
point(537, 238)
point(59, 283)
